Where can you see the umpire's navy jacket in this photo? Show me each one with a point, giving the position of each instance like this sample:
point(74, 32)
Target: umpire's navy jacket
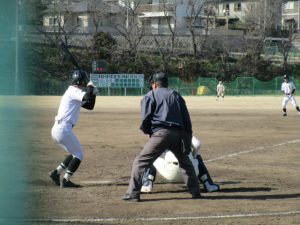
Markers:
point(164, 108)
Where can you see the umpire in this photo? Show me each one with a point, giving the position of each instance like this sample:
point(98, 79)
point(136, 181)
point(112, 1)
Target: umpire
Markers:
point(166, 119)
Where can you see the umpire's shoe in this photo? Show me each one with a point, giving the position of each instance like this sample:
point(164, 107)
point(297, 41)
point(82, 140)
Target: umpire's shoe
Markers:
point(133, 197)
point(196, 196)
point(54, 176)
point(68, 184)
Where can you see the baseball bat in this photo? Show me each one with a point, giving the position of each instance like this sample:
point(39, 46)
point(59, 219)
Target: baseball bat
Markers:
point(69, 55)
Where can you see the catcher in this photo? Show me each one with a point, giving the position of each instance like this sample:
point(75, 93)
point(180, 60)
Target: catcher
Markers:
point(73, 99)
point(167, 165)
point(288, 88)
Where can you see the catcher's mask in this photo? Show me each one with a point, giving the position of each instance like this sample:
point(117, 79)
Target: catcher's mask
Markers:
point(80, 77)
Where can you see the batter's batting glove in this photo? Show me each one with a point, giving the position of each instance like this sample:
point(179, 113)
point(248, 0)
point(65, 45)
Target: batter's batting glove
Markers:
point(91, 84)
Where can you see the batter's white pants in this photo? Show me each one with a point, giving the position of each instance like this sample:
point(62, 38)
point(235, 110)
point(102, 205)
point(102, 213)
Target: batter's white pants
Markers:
point(288, 98)
point(63, 134)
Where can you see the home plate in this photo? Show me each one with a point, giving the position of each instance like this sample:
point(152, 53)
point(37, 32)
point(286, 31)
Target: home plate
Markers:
point(97, 182)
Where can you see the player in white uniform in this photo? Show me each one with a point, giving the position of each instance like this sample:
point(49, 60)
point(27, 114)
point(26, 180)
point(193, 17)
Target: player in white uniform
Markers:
point(73, 99)
point(220, 90)
point(288, 88)
point(167, 165)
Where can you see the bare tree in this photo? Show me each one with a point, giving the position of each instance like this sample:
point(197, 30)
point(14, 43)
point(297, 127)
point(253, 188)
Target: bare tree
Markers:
point(289, 34)
point(261, 20)
point(166, 44)
point(131, 30)
point(60, 24)
point(200, 16)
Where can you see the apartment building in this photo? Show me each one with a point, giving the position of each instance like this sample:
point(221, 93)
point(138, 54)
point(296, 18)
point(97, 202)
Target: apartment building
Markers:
point(266, 11)
point(81, 16)
point(291, 14)
point(160, 16)
point(163, 16)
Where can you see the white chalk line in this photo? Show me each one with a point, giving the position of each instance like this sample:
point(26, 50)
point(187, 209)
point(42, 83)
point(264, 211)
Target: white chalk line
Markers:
point(171, 218)
point(217, 158)
point(251, 150)
point(187, 218)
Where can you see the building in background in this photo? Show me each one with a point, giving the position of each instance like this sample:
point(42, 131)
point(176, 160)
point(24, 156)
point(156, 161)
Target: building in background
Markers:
point(80, 17)
point(291, 14)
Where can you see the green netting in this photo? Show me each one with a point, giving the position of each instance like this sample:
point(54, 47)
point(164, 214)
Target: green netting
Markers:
point(202, 86)
point(240, 86)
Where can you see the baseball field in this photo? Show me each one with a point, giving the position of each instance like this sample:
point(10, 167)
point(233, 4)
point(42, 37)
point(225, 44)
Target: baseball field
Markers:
point(249, 148)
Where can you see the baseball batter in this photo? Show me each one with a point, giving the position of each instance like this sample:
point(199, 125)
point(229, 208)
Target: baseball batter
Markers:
point(73, 99)
point(288, 88)
point(168, 167)
point(220, 90)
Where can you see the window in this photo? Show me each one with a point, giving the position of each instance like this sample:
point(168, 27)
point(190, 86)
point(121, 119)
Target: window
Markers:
point(55, 1)
point(225, 7)
point(82, 21)
point(289, 5)
point(237, 7)
point(53, 20)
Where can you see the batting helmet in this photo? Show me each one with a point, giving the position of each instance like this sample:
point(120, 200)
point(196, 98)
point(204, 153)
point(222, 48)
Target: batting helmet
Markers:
point(79, 77)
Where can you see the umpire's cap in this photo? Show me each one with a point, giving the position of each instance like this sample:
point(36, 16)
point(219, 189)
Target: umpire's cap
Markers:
point(79, 77)
point(160, 78)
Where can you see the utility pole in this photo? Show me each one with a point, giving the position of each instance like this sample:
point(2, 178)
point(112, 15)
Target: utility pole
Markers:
point(298, 22)
point(265, 14)
point(16, 89)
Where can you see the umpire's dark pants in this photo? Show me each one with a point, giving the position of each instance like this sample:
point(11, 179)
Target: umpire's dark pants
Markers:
point(157, 144)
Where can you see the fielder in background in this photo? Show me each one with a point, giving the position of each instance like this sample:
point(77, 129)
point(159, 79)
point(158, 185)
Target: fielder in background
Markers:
point(167, 165)
point(166, 120)
point(73, 99)
point(220, 90)
point(288, 88)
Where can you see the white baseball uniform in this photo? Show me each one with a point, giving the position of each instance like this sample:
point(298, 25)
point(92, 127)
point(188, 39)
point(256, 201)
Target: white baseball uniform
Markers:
point(287, 88)
point(220, 89)
point(67, 117)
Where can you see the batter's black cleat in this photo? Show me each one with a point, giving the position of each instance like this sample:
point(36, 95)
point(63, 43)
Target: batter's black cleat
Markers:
point(54, 176)
point(284, 114)
point(132, 197)
point(68, 184)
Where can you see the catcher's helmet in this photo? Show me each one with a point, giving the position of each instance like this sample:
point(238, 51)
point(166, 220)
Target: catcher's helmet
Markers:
point(79, 77)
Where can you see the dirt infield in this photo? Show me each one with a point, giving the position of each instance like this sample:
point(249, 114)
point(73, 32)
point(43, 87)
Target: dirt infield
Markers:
point(250, 149)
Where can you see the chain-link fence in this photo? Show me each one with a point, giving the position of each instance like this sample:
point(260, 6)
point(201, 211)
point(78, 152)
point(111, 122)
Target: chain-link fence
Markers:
point(201, 87)
point(240, 86)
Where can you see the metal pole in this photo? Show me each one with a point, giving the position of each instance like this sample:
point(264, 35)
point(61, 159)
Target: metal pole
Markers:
point(17, 48)
point(298, 24)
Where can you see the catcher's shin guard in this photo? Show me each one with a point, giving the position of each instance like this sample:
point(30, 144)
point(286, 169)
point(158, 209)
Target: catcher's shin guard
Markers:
point(205, 178)
point(148, 179)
